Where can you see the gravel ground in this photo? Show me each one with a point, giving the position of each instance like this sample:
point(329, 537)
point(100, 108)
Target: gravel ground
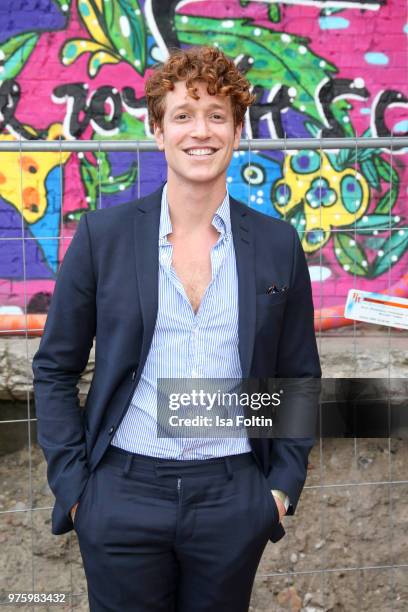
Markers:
point(352, 513)
point(337, 527)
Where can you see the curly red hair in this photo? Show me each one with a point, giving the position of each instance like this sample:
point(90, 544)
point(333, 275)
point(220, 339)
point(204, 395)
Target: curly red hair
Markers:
point(208, 64)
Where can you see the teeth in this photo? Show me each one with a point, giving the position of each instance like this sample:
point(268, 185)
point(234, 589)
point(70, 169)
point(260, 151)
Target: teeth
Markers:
point(200, 151)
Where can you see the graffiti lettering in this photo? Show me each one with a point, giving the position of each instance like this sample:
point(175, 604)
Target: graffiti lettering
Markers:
point(279, 101)
point(385, 100)
point(106, 96)
point(74, 94)
point(9, 99)
point(332, 90)
point(84, 109)
point(93, 110)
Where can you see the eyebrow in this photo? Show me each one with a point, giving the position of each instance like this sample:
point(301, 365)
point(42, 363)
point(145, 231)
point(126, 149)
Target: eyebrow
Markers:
point(188, 105)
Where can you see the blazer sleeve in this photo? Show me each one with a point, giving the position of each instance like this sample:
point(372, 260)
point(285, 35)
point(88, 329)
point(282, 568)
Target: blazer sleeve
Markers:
point(57, 365)
point(297, 358)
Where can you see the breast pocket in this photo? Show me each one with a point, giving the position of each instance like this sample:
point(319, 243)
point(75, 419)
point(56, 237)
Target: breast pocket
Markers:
point(269, 314)
point(271, 299)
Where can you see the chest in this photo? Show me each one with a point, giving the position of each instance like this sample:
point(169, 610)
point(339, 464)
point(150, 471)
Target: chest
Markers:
point(192, 264)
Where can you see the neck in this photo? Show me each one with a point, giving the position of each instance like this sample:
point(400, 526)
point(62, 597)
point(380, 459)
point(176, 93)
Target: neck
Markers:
point(193, 208)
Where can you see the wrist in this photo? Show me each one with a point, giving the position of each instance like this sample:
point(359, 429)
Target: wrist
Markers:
point(282, 497)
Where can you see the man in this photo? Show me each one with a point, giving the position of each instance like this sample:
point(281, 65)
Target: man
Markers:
point(184, 283)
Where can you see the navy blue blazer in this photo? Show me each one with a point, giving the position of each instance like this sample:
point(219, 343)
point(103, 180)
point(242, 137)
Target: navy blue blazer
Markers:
point(107, 289)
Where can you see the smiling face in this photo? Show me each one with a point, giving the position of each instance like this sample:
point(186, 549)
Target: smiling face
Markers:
point(197, 136)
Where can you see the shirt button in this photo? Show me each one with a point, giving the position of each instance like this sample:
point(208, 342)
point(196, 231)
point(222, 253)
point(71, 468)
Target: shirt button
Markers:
point(194, 374)
point(112, 429)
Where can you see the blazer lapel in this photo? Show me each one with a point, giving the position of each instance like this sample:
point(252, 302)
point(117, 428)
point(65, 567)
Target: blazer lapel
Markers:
point(245, 258)
point(146, 232)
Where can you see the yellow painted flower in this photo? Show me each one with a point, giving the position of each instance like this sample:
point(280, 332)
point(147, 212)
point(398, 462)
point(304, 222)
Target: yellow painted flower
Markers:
point(23, 176)
point(117, 32)
point(327, 197)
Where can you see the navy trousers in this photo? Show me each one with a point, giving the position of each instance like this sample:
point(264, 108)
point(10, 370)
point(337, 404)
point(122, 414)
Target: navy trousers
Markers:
point(173, 536)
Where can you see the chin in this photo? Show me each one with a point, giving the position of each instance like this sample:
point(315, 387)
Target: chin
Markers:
point(202, 177)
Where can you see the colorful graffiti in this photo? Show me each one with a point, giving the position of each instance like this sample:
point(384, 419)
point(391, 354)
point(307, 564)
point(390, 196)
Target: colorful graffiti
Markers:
point(317, 68)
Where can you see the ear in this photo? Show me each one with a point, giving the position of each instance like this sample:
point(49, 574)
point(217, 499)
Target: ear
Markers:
point(158, 136)
point(237, 135)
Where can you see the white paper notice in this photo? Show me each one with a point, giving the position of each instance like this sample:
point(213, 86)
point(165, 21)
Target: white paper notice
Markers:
point(377, 308)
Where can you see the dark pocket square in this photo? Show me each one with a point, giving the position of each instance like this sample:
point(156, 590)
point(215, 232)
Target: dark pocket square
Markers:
point(274, 289)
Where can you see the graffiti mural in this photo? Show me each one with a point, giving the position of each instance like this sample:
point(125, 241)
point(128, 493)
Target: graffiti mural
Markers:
point(76, 70)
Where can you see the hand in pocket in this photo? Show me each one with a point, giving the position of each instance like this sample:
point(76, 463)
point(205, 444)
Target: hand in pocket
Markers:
point(73, 511)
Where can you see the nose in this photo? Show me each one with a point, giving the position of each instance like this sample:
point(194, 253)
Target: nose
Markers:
point(200, 128)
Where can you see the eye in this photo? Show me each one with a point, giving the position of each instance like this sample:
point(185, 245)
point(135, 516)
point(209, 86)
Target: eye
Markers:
point(181, 116)
point(217, 116)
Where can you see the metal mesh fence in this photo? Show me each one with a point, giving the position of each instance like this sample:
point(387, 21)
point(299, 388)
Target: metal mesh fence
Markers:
point(349, 533)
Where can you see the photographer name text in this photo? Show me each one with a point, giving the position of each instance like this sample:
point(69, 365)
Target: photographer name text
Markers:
point(218, 421)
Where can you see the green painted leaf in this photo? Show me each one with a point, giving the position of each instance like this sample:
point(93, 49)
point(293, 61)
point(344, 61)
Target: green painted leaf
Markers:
point(274, 13)
point(313, 128)
point(386, 171)
point(394, 248)
point(100, 181)
point(333, 160)
point(346, 157)
point(89, 176)
point(130, 128)
point(126, 29)
point(375, 243)
point(340, 109)
point(278, 57)
point(15, 52)
point(298, 219)
point(363, 154)
point(120, 182)
point(374, 221)
point(351, 255)
point(388, 200)
point(103, 179)
point(369, 170)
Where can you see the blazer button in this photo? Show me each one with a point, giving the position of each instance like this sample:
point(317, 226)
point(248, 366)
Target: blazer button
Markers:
point(112, 429)
point(133, 374)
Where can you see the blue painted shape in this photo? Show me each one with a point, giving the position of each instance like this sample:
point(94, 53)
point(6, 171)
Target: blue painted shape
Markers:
point(405, 28)
point(377, 58)
point(333, 23)
point(250, 179)
point(351, 193)
point(11, 251)
point(47, 229)
point(29, 16)
point(401, 127)
point(305, 162)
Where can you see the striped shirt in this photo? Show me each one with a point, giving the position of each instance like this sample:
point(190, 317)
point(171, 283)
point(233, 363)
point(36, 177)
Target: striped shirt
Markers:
point(188, 345)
